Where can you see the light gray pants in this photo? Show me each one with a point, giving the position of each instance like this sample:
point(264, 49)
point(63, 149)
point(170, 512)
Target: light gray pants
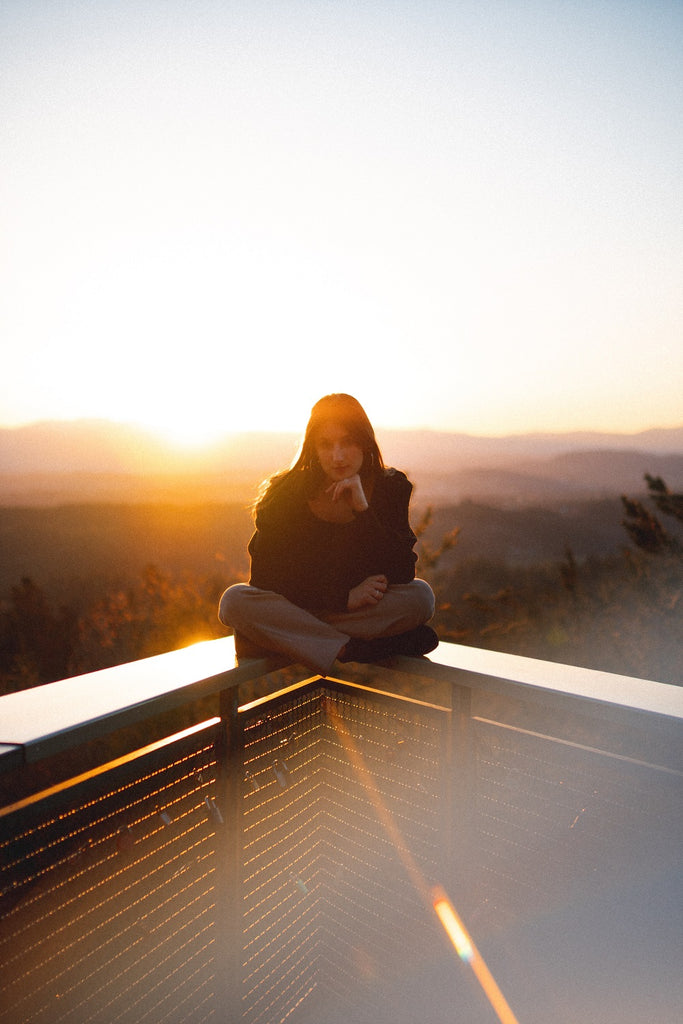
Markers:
point(269, 620)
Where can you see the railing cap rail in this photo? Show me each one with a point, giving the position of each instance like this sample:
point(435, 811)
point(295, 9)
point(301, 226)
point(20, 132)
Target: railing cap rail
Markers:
point(45, 720)
point(609, 688)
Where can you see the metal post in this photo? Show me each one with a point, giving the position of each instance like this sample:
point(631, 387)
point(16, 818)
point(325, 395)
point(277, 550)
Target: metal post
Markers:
point(229, 896)
point(461, 780)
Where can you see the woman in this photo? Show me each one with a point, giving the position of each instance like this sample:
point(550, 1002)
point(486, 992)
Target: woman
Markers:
point(332, 560)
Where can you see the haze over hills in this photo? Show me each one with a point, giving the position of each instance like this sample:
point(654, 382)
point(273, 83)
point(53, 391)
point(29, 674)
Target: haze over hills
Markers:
point(91, 460)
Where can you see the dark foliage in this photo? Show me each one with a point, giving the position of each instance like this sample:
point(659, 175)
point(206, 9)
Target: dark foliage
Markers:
point(152, 615)
point(36, 642)
point(620, 612)
point(646, 530)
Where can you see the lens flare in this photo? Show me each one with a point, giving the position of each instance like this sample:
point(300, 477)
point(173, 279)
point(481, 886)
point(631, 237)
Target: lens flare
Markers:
point(453, 926)
point(436, 897)
point(469, 953)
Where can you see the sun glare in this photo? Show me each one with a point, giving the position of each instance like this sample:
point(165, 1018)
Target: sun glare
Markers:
point(188, 434)
point(191, 414)
point(199, 423)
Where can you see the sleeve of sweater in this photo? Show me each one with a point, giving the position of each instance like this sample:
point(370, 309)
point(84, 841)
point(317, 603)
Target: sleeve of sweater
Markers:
point(275, 564)
point(386, 532)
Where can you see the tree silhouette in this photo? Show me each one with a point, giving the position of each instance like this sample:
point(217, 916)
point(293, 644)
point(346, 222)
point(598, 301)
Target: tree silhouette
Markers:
point(643, 526)
point(429, 556)
point(36, 643)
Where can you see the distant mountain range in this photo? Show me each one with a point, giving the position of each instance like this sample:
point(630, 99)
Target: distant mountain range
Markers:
point(92, 460)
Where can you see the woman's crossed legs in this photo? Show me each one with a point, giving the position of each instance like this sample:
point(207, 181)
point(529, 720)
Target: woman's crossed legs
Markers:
point(270, 621)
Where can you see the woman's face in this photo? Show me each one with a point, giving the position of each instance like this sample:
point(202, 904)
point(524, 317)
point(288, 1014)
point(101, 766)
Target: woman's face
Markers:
point(338, 454)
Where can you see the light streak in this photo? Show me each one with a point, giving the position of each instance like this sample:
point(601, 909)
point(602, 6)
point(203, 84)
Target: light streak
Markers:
point(453, 926)
point(468, 953)
point(435, 898)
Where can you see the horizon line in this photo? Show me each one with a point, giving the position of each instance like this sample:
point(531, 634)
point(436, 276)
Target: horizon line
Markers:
point(216, 437)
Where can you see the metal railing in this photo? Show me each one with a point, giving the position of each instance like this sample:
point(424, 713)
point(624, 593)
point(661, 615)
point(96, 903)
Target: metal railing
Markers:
point(185, 841)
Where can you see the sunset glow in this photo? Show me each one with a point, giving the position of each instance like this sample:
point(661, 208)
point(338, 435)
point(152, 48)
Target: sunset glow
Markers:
point(466, 215)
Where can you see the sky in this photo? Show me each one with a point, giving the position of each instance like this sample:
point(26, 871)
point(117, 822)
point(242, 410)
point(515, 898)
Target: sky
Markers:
point(468, 214)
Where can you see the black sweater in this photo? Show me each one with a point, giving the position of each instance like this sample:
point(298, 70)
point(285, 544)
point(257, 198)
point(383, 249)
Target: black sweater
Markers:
point(315, 563)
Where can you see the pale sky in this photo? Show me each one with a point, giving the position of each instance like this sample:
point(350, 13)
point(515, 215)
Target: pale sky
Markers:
point(468, 214)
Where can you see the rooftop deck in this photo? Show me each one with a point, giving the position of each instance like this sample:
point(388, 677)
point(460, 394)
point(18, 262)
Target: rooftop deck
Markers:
point(183, 840)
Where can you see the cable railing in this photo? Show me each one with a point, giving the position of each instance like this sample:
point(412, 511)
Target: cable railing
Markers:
point(470, 836)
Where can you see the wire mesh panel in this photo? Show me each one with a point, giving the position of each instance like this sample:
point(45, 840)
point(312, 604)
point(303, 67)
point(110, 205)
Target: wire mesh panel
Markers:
point(384, 835)
point(115, 897)
point(555, 821)
point(283, 804)
point(343, 808)
point(108, 895)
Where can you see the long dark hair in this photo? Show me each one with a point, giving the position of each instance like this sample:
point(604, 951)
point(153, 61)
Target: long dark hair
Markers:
point(305, 468)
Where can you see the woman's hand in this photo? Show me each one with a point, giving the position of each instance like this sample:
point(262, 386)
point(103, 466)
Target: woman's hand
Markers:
point(350, 489)
point(369, 592)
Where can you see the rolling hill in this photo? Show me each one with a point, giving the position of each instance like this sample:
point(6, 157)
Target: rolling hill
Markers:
point(96, 461)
